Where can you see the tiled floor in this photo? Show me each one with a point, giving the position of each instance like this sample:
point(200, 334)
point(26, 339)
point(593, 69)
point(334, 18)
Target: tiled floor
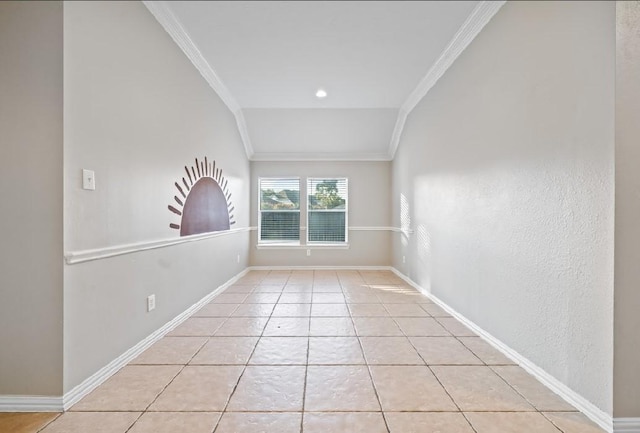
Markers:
point(317, 352)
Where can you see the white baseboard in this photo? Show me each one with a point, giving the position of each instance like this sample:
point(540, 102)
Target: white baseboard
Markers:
point(22, 403)
point(319, 268)
point(30, 403)
point(626, 425)
point(594, 413)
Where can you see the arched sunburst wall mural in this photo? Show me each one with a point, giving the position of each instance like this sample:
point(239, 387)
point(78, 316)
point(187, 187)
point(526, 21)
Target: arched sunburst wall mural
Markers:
point(202, 201)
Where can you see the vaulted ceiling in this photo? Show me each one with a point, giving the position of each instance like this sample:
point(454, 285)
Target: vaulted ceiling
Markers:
point(375, 60)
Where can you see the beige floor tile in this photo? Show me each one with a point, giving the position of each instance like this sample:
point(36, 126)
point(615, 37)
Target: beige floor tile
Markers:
point(94, 422)
point(260, 422)
point(291, 310)
point(434, 310)
point(444, 351)
point(331, 327)
point(176, 422)
point(390, 351)
point(541, 397)
point(240, 289)
point(276, 276)
point(229, 298)
point(340, 388)
point(287, 327)
point(398, 296)
point(405, 310)
point(479, 389)
point(252, 277)
point(327, 298)
point(410, 388)
point(197, 327)
point(376, 327)
point(329, 310)
point(269, 289)
point(323, 274)
point(280, 351)
point(421, 327)
point(199, 388)
point(357, 288)
point(225, 350)
point(269, 388)
point(483, 350)
point(25, 422)
point(295, 298)
point(253, 310)
point(368, 310)
point(573, 422)
point(298, 288)
point(262, 298)
point(216, 310)
point(133, 388)
point(242, 327)
point(380, 277)
point(344, 422)
point(273, 282)
point(327, 288)
point(335, 350)
point(455, 327)
point(171, 350)
point(362, 298)
point(427, 422)
point(510, 422)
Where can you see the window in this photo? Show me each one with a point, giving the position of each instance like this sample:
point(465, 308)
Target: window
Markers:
point(279, 210)
point(326, 210)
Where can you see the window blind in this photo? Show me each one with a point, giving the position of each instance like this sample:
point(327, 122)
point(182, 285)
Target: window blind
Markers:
point(327, 210)
point(279, 209)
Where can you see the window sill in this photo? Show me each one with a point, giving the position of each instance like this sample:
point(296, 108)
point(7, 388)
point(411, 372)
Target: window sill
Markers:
point(344, 246)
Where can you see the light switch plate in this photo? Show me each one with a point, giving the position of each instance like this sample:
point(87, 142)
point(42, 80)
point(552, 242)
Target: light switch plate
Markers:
point(88, 180)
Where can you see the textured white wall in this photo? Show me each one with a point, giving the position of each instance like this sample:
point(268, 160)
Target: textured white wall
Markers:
point(31, 205)
point(626, 399)
point(505, 172)
point(369, 189)
point(136, 112)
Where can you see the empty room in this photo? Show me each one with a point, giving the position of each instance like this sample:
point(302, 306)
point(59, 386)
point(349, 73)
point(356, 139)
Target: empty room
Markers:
point(320, 217)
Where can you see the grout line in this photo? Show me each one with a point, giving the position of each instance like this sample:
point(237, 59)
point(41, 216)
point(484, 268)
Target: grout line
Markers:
point(306, 367)
point(222, 412)
point(368, 366)
point(434, 374)
point(184, 366)
point(51, 421)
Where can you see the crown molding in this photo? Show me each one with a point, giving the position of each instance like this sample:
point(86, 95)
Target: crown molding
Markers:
point(163, 14)
point(319, 156)
point(474, 23)
point(397, 133)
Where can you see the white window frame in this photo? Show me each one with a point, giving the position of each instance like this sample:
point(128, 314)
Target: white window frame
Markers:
point(287, 242)
point(345, 210)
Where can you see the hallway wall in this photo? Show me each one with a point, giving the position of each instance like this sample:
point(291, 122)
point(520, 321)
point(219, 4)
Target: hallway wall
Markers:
point(505, 172)
point(137, 112)
point(31, 206)
point(626, 395)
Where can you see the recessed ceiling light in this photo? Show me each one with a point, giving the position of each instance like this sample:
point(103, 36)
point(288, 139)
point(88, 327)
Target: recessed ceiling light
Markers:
point(321, 93)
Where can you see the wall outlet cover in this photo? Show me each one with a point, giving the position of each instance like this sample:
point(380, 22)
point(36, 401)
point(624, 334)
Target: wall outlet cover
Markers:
point(151, 303)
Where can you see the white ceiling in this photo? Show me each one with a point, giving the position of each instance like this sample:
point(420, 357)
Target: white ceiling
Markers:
point(268, 58)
